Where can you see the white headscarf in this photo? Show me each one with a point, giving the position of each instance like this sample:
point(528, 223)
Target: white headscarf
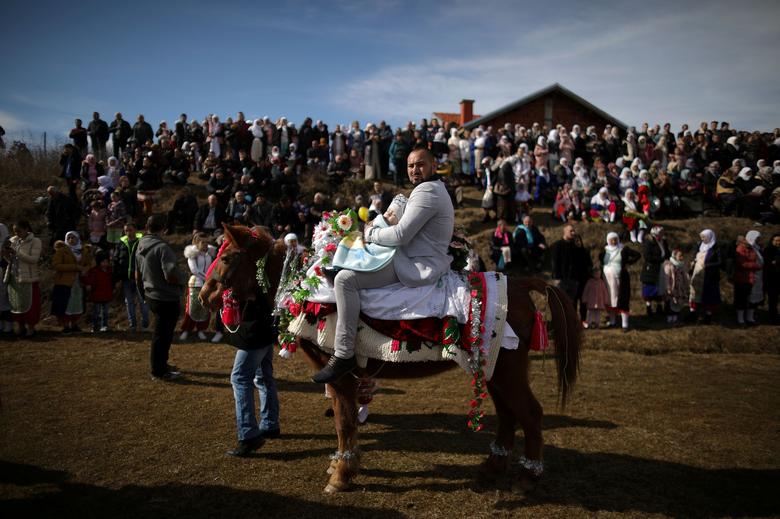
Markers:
point(612, 249)
point(745, 174)
point(288, 239)
point(704, 247)
point(75, 249)
point(751, 238)
point(552, 136)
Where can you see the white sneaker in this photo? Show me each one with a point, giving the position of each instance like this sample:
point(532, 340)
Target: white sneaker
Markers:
point(183, 336)
point(104, 328)
point(201, 336)
point(217, 337)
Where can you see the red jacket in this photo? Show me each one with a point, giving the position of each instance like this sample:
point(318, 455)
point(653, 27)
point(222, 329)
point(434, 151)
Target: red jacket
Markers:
point(746, 265)
point(102, 284)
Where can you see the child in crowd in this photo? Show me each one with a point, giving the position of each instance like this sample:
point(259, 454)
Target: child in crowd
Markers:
point(595, 295)
point(97, 222)
point(522, 201)
point(677, 285)
point(100, 288)
point(200, 254)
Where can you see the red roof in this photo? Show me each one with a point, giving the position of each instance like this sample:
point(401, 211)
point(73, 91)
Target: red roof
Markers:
point(448, 117)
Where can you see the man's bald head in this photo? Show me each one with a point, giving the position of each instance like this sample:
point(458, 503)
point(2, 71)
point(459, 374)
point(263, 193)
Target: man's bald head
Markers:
point(420, 165)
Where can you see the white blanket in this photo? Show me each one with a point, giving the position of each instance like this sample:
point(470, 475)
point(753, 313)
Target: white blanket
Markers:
point(397, 302)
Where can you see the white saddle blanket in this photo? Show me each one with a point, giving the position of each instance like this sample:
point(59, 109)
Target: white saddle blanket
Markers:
point(450, 297)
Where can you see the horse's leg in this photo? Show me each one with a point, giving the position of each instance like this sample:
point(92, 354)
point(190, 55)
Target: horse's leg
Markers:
point(498, 460)
point(345, 415)
point(529, 413)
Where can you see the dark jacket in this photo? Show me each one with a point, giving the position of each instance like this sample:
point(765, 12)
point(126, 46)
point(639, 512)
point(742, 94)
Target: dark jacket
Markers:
point(654, 259)
point(156, 261)
point(71, 166)
point(569, 261)
point(203, 214)
point(123, 258)
point(120, 132)
point(62, 213)
point(521, 240)
point(257, 329)
point(98, 130)
point(142, 132)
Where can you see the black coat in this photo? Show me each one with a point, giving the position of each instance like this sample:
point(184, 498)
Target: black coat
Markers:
point(258, 329)
point(654, 259)
point(120, 132)
point(564, 255)
point(98, 130)
point(203, 214)
point(521, 240)
point(142, 132)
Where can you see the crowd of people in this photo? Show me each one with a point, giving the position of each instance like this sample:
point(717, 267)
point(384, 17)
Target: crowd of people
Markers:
point(253, 172)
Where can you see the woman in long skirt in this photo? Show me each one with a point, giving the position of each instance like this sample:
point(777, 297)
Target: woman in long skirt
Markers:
point(22, 278)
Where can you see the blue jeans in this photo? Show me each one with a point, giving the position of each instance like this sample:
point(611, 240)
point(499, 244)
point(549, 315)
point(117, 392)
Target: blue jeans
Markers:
point(131, 294)
point(99, 315)
point(254, 368)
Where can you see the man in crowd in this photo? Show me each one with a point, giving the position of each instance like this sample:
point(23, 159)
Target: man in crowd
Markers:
point(120, 131)
point(422, 236)
point(183, 213)
point(142, 132)
point(210, 216)
point(530, 244)
point(123, 260)
point(79, 137)
point(571, 265)
point(162, 283)
point(98, 134)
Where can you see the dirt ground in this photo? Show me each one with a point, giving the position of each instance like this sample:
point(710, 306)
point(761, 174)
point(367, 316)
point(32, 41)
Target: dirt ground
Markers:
point(85, 433)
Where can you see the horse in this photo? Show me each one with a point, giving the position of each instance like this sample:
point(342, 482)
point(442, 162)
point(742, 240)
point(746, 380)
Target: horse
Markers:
point(509, 387)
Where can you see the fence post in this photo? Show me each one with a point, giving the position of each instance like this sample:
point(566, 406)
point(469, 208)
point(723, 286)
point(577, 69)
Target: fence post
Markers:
point(44, 142)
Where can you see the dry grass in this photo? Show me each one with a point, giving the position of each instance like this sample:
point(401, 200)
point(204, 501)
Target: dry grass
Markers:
point(675, 435)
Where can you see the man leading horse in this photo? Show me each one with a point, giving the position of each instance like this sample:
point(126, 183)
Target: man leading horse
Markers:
point(422, 238)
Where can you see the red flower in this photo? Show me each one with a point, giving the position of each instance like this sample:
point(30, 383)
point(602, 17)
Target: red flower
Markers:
point(295, 309)
point(395, 345)
point(473, 293)
point(318, 270)
point(483, 396)
point(321, 324)
point(479, 427)
point(473, 403)
point(331, 247)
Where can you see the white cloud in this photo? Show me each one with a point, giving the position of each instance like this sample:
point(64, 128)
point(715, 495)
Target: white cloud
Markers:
point(11, 123)
point(678, 65)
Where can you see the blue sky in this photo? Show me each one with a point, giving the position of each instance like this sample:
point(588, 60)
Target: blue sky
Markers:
point(396, 60)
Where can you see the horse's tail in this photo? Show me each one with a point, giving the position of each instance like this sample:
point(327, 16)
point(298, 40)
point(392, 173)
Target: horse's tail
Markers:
point(567, 334)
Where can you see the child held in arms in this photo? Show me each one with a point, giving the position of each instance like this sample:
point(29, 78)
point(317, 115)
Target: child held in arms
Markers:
point(355, 254)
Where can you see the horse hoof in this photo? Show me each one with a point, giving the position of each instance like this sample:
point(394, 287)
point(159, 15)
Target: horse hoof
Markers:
point(494, 466)
point(330, 488)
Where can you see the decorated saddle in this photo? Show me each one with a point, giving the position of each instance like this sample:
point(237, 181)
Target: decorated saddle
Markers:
point(461, 318)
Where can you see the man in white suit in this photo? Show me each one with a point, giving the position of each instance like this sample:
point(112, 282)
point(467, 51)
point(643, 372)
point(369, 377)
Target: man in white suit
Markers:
point(422, 236)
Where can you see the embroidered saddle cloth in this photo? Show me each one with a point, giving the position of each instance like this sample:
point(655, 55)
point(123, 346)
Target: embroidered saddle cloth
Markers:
point(422, 324)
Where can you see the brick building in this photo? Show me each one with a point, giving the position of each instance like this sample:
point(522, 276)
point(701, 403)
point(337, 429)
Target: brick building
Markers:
point(549, 106)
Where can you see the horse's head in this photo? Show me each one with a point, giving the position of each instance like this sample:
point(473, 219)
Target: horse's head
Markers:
point(236, 266)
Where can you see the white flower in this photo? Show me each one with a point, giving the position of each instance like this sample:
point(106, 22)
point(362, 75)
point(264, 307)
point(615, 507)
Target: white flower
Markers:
point(344, 222)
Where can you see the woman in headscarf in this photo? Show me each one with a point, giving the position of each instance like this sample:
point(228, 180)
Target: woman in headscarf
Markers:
point(756, 298)
point(501, 246)
point(90, 171)
point(541, 153)
point(200, 255)
point(453, 154)
point(115, 170)
point(705, 280)
point(627, 181)
point(6, 321)
point(479, 153)
point(655, 252)
point(553, 148)
point(257, 132)
point(566, 146)
point(601, 207)
point(71, 261)
point(615, 260)
point(747, 269)
point(22, 278)
point(216, 136)
point(635, 216)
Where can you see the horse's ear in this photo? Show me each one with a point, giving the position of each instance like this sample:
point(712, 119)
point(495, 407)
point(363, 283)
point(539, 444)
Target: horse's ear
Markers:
point(238, 236)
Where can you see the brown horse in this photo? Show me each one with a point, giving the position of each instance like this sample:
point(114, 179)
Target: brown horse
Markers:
point(515, 403)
